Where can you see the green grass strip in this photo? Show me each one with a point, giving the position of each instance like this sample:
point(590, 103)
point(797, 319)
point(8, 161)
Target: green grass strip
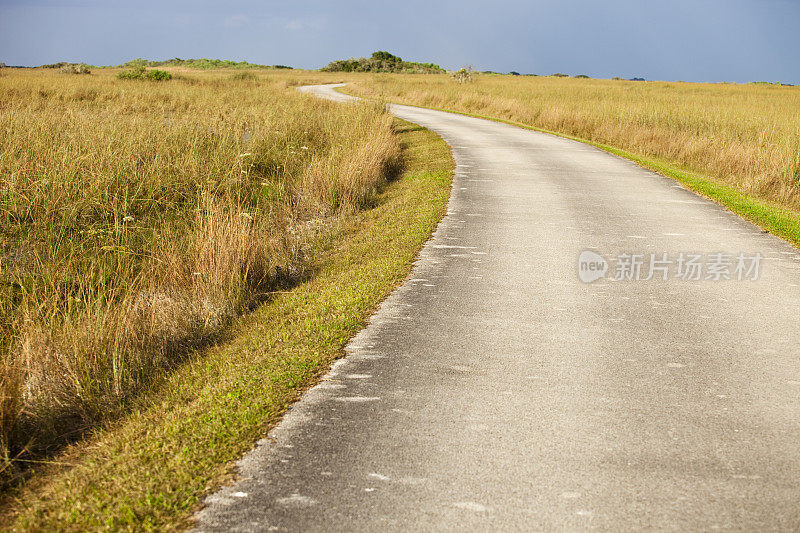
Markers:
point(151, 470)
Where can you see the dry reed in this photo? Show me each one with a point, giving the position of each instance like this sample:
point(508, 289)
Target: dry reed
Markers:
point(138, 218)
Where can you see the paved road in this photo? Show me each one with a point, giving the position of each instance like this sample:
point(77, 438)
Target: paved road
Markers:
point(496, 391)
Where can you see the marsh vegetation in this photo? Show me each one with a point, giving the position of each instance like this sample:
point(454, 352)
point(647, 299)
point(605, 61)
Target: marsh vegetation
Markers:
point(137, 220)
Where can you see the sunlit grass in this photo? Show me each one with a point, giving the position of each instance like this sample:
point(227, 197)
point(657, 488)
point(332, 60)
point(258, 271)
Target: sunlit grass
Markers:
point(149, 470)
point(744, 136)
point(139, 218)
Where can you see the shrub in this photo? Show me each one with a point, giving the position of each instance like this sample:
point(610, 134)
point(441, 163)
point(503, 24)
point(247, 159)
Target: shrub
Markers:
point(134, 74)
point(386, 56)
point(560, 75)
point(136, 63)
point(381, 62)
point(141, 73)
point(462, 76)
point(582, 76)
point(75, 68)
point(200, 64)
point(158, 75)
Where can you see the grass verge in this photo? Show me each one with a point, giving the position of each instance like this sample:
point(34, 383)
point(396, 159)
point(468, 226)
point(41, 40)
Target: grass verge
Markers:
point(150, 470)
point(769, 216)
point(138, 220)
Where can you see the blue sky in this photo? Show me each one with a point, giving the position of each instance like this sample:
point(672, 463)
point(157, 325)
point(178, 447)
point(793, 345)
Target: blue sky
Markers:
point(693, 40)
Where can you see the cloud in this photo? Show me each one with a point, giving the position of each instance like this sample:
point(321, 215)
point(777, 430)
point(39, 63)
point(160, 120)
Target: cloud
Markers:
point(236, 21)
point(304, 24)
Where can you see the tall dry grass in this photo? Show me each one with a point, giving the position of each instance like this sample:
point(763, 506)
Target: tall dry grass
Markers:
point(138, 218)
point(747, 136)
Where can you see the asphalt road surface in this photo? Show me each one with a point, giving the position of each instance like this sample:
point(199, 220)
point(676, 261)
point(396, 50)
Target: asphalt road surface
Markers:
point(495, 390)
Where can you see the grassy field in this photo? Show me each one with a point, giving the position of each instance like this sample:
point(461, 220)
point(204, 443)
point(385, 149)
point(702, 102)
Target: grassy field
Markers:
point(743, 136)
point(138, 219)
point(179, 260)
point(150, 469)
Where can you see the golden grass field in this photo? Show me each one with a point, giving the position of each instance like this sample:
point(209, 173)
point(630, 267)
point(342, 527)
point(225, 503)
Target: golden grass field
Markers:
point(746, 136)
point(138, 218)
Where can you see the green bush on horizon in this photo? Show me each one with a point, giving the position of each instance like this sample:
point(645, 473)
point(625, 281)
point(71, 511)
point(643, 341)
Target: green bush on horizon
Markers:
point(381, 61)
point(200, 64)
point(141, 73)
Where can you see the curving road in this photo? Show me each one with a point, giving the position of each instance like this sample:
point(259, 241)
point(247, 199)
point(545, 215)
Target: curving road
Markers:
point(497, 391)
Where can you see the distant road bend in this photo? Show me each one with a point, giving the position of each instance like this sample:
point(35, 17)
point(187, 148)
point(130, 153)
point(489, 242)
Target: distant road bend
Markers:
point(497, 391)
